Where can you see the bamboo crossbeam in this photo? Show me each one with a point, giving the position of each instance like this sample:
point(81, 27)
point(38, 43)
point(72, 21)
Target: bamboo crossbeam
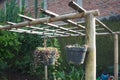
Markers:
point(75, 6)
point(107, 33)
point(96, 29)
point(40, 33)
point(73, 28)
point(64, 24)
point(75, 35)
point(80, 9)
point(68, 21)
point(31, 32)
point(49, 30)
point(35, 32)
point(53, 25)
point(49, 13)
point(26, 17)
point(62, 28)
point(104, 26)
point(37, 28)
point(75, 24)
point(53, 19)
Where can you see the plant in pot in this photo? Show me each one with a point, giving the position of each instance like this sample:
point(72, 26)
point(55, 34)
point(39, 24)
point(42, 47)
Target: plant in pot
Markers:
point(76, 54)
point(46, 56)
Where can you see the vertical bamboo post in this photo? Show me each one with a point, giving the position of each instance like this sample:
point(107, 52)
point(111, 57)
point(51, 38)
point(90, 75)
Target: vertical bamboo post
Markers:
point(46, 74)
point(90, 67)
point(116, 56)
point(45, 67)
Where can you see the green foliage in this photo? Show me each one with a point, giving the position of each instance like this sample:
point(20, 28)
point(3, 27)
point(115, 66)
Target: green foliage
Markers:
point(105, 48)
point(9, 47)
point(9, 42)
point(68, 73)
point(105, 45)
point(41, 14)
point(2, 16)
point(36, 8)
point(11, 13)
point(25, 57)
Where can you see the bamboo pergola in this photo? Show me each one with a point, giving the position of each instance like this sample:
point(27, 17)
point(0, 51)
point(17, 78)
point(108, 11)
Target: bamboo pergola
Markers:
point(52, 30)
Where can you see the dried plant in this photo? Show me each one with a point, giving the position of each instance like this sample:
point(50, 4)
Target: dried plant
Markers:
point(47, 56)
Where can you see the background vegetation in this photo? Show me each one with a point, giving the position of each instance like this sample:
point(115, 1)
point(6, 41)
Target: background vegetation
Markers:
point(16, 50)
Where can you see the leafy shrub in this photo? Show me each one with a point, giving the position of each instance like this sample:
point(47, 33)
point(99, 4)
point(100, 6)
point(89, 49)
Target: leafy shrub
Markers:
point(9, 48)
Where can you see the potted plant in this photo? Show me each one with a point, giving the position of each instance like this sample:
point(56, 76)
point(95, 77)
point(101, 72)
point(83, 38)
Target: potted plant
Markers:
point(76, 54)
point(47, 56)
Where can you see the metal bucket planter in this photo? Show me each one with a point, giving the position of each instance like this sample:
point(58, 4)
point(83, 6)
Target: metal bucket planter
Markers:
point(46, 56)
point(76, 55)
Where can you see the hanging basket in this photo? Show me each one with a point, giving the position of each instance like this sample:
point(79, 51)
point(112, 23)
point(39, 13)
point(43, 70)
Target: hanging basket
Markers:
point(76, 55)
point(46, 56)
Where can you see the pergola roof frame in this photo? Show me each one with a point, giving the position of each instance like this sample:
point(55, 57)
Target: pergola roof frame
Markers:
point(80, 9)
point(53, 25)
point(63, 32)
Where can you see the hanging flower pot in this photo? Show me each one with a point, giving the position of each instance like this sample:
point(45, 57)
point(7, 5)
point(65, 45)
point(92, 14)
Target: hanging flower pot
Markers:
point(47, 56)
point(76, 54)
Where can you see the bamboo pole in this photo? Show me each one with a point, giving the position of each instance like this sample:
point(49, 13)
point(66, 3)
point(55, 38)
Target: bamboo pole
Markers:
point(90, 68)
point(46, 72)
point(38, 28)
point(116, 56)
point(53, 19)
point(45, 66)
point(67, 34)
point(74, 35)
point(75, 6)
point(68, 21)
point(104, 26)
point(53, 25)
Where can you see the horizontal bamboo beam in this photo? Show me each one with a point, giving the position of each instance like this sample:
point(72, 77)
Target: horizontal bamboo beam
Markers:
point(75, 35)
point(73, 28)
point(32, 32)
point(99, 29)
point(48, 13)
point(104, 26)
point(51, 35)
point(53, 19)
point(65, 29)
point(37, 28)
point(68, 21)
point(26, 17)
point(37, 32)
point(53, 25)
point(58, 35)
point(64, 24)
